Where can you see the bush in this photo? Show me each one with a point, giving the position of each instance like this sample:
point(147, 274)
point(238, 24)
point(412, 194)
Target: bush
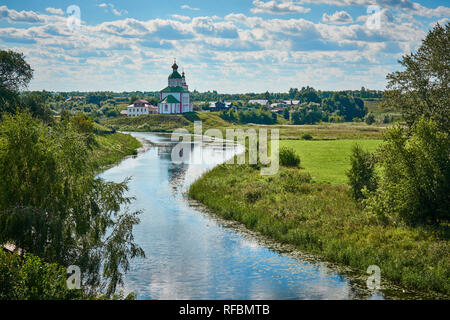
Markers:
point(306, 136)
point(370, 119)
point(388, 119)
point(336, 118)
point(30, 278)
point(415, 180)
point(289, 158)
point(362, 172)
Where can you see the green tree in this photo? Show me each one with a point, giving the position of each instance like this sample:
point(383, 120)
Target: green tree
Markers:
point(362, 172)
point(286, 113)
point(53, 206)
point(415, 176)
point(423, 87)
point(85, 126)
point(36, 105)
point(15, 74)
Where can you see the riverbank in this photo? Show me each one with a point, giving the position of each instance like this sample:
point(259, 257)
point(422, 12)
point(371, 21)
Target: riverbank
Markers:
point(112, 148)
point(323, 219)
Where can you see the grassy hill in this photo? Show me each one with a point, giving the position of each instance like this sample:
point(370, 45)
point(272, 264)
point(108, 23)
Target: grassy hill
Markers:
point(166, 122)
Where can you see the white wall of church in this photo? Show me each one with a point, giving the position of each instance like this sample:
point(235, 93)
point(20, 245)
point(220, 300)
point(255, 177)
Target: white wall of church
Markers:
point(175, 82)
point(186, 102)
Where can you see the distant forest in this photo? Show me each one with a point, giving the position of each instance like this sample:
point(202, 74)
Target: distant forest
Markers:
point(293, 94)
point(312, 105)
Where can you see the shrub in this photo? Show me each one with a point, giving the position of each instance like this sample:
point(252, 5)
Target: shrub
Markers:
point(362, 172)
point(295, 182)
point(30, 278)
point(307, 136)
point(336, 118)
point(387, 118)
point(370, 119)
point(289, 158)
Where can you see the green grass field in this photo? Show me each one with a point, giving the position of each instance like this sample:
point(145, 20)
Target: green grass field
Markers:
point(327, 161)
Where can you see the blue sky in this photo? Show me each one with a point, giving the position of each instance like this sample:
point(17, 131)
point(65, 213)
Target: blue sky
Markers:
point(228, 46)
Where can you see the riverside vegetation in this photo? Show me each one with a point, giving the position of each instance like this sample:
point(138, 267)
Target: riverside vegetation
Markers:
point(394, 211)
point(324, 219)
point(53, 208)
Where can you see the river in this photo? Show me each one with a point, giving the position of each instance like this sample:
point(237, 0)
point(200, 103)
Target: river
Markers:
point(191, 254)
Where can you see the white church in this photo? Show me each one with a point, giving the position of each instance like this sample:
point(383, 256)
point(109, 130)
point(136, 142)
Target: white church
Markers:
point(175, 99)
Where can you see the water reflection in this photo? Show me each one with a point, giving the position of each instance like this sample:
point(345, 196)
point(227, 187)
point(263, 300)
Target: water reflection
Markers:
point(193, 255)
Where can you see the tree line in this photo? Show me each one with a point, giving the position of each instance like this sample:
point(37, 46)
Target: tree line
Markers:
point(412, 185)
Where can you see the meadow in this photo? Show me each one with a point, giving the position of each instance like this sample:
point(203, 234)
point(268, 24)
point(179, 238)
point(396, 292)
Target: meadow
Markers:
point(324, 220)
point(327, 161)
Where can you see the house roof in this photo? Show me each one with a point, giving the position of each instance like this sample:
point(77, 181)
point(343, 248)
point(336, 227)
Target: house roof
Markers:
point(170, 99)
point(262, 102)
point(141, 101)
point(173, 89)
point(292, 102)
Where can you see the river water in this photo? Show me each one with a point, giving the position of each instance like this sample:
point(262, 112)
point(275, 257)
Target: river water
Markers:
point(191, 254)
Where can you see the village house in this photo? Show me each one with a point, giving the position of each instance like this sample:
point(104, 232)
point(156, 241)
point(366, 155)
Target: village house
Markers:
point(291, 102)
point(140, 107)
point(260, 102)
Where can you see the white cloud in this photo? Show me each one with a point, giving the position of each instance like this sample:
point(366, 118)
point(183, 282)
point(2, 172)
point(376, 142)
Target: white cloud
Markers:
point(404, 4)
point(235, 44)
point(186, 7)
point(274, 7)
point(22, 16)
point(339, 17)
point(206, 26)
point(180, 17)
point(112, 8)
point(412, 7)
point(442, 22)
point(429, 13)
point(55, 11)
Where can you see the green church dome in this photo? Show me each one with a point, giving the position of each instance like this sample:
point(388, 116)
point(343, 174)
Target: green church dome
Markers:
point(175, 75)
